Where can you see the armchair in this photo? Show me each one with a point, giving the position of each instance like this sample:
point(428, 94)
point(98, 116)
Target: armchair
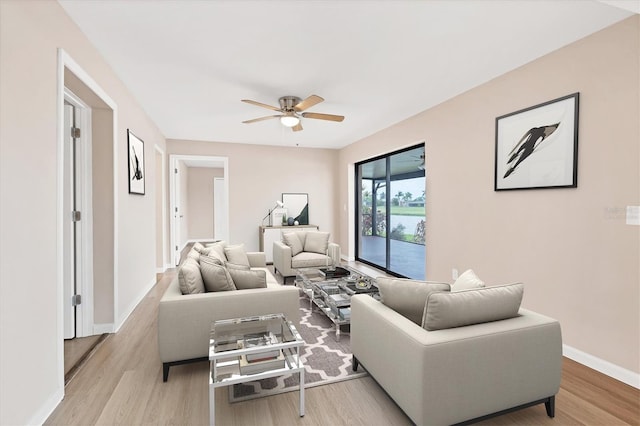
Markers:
point(303, 249)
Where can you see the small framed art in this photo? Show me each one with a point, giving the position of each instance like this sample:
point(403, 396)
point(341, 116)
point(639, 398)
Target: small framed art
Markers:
point(297, 205)
point(537, 147)
point(136, 164)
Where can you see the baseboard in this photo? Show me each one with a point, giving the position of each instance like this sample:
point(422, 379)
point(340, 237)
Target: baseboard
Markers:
point(134, 304)
point(605, 367)
point(102, 329)
point(47, 408)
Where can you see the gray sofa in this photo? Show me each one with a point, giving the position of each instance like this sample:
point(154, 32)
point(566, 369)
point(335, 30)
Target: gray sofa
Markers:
point(184, 321)
point(458, 374)
point(300, 252)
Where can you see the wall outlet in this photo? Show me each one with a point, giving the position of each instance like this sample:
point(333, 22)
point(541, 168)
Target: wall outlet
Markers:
point(454, 273)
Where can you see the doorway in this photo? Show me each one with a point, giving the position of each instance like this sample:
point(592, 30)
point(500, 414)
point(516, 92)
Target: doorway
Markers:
point(87, 273)
point(178, 199)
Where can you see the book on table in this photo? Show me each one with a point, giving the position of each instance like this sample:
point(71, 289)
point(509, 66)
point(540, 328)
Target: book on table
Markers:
point(255, 367)
point(260, 339)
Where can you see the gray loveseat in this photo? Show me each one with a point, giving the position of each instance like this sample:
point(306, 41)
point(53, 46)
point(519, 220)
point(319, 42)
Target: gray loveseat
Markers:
point(461, 373)
point(184, 320)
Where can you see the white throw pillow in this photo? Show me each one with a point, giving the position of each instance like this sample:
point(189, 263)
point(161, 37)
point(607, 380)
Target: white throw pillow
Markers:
point(237, 254)
point(316, 242)
point(467, 281)
point(292, 240)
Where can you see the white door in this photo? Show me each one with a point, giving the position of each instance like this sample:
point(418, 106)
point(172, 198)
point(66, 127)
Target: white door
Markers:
point(177, 214)
point(220, 220)
point(70, 230)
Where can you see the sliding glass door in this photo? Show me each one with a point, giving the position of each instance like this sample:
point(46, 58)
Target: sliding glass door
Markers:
point(390, 228)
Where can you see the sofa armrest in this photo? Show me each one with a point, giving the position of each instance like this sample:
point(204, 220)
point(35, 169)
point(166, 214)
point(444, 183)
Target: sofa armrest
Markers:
point(257, 259)
point(282, 259)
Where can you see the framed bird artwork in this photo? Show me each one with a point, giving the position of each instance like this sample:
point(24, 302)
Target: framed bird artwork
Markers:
point(537, 147)
point(136, 164)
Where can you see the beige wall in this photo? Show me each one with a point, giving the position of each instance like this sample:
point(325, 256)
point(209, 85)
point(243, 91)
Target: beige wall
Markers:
point(201, 201)
point(571, 247)
point(30, 335)
point(258, 175)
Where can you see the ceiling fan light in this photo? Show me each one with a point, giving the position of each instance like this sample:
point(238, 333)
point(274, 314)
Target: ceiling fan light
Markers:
point(289, 120)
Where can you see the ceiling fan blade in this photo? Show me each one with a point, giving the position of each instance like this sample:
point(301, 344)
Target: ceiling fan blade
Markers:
point(308, 103)
point(260, 104)
point(269, 117)
point(297, 127)
point(321, 116)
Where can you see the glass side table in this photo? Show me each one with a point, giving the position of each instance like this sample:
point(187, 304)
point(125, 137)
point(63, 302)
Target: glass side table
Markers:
point(253, 348)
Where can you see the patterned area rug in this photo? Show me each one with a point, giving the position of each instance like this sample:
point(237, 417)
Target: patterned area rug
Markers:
point(325, 360)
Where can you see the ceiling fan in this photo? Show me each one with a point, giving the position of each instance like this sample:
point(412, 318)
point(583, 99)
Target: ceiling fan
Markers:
point(291, 109)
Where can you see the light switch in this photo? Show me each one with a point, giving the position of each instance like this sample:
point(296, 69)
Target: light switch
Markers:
point(633, 215)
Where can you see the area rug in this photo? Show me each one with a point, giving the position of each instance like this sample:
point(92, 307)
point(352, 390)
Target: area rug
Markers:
point(325, 360)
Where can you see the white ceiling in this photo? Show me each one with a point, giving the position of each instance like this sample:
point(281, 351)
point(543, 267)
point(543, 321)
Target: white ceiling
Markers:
point(189, 63)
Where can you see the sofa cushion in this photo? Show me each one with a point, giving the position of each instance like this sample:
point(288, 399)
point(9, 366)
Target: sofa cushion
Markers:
point(308, 260)
point(245, 279)
point(215, 276)
point(457, 309)
point(407, 297)
point(198, 247)
point(468, 280)
point(316, 242)
point(237, 254)
point(190, 278)
point(292, 239)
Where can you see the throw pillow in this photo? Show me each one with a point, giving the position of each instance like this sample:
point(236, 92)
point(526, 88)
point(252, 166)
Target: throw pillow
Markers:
point(193, 254)
point(215, 276)
point(292, 240)
point(246, 279)
point(190, 278)
point(237, 254)
point(230, 265)
point(468, 280)
point(407, 297)
point(198, 247)
point(457, 309)
point(217, 250)
point(316, 242)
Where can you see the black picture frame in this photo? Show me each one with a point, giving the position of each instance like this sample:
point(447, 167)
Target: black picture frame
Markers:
point(297, 205)
point(136, 164)
point(537, 147)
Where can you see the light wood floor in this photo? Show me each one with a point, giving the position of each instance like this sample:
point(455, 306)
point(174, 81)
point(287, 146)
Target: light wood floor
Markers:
point(121, 383)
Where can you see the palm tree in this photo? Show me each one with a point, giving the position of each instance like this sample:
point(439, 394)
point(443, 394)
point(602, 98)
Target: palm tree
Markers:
point(408, 197)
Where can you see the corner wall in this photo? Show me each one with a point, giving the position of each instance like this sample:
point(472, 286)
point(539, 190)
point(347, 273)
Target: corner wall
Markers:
point(571, 247)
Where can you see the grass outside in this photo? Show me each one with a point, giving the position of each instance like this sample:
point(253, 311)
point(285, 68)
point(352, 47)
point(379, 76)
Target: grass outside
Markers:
point(404, 211)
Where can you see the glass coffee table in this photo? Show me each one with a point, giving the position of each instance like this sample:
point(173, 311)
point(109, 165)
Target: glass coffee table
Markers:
point(253, 348)
point(330, 289)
